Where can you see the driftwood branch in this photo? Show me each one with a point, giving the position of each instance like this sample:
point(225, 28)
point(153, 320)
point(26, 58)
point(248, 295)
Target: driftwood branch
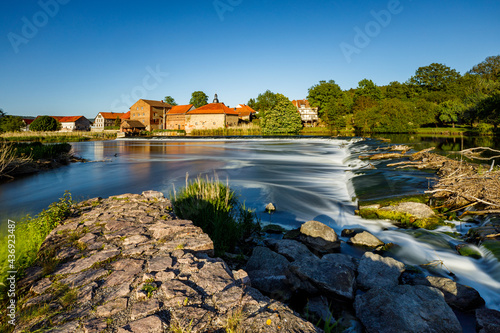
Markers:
point(475, 152)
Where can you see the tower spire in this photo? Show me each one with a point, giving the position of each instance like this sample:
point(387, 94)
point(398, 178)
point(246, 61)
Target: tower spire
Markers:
point(216, 100)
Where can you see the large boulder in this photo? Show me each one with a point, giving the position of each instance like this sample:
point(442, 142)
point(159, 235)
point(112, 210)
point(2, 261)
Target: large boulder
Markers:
point(405, 309)
point(419, 210)
point(268, 272)
point(487, 321)
point(377, 271)
point(366, 239)
point(331, 278)
point(456, 295)
point(291, 249)
point(319, 237)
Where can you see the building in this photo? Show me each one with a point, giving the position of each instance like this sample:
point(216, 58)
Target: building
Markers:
point(151, 113)
point(211, 116)
point(107, 119)
point(132, 126)
point(308, 114)
point(176, 117)
point(27, 122)
point(245, 113)
point(73, 123)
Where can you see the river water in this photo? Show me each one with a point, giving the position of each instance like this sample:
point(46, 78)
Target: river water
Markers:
point(305, 178)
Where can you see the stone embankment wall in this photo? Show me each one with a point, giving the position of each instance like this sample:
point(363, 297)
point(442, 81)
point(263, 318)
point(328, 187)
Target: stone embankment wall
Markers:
point(125, 264)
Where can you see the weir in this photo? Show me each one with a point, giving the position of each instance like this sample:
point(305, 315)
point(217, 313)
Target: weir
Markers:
point(305, 178)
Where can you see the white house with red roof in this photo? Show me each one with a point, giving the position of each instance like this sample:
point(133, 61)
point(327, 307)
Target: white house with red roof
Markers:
point(73, 123)
point(308, 114)
point(211, 116)
point(107, 119)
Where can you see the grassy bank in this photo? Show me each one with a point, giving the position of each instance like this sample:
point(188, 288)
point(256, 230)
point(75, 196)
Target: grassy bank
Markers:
point(214, 207)
point(38, 151)
point(28, 236)
point(57, 136)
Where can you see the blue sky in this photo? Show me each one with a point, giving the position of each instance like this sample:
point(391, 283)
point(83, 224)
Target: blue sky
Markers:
point(82, 57)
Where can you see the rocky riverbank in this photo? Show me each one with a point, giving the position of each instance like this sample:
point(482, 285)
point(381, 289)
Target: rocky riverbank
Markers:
point(127, 264)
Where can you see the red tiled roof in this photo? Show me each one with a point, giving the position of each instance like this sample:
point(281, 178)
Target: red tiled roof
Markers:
point(28, 121)
point(65, 119)
point(298, 103)
point(213, 108)
point(126, 115)
point(180, 109)
point(159, 104)
point(244, 110)
point(112, 115)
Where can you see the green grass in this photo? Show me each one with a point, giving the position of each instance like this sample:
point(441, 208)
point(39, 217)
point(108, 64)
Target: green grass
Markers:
point(215, 208)
point(30, 233)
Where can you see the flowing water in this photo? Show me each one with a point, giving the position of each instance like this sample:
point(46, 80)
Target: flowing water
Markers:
point(305, 178)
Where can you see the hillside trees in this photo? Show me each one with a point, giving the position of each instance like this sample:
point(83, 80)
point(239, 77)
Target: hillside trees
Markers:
point(11, 124)
point(488, 69)
point(389, 116)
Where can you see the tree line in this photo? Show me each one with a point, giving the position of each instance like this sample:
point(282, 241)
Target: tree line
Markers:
point(436, 95)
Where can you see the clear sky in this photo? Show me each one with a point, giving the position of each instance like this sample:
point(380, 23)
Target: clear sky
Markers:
point(75, 57)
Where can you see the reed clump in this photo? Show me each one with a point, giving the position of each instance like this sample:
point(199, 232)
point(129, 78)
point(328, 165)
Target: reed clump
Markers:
point(215, 208)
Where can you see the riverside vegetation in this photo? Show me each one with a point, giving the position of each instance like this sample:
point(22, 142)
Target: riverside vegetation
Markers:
point(25, 158)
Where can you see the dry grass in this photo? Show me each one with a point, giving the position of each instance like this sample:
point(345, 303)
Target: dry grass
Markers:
point(57, 136)
point(8, 159)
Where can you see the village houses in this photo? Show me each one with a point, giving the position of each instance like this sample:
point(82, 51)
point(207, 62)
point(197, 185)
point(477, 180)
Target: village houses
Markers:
point(176, 117)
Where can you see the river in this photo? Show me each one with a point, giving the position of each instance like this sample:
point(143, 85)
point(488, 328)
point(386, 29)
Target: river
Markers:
point(306, 178)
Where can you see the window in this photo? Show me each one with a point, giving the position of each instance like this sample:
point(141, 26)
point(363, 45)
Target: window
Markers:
point(214, 122)
point(137, 108)
point(142, 107)
point(143, 114)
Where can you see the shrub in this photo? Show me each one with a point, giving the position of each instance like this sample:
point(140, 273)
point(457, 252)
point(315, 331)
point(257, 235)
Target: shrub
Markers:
point(45, 123)
point(37, 150)
point(215, 208)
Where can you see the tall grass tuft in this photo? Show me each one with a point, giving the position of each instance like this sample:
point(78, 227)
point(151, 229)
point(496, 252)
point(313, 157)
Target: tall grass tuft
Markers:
point(9, 159)
point(30, 234)
point(248, 129)
point(214, 207)
point(37, 150)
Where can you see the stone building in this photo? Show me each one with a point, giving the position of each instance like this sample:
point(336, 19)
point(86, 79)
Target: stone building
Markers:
point(211, 116)
point(151, 113)
point(176, 117)
point(308, 114)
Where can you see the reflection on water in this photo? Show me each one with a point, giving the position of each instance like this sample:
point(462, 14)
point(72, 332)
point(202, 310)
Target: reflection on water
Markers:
point(306, 179)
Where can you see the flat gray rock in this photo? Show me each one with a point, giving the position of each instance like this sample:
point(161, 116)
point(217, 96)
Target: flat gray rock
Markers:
point(377, 271)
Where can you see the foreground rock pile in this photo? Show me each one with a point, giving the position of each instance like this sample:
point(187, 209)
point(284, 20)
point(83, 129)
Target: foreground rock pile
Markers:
point(379, 294)
point(127, 265)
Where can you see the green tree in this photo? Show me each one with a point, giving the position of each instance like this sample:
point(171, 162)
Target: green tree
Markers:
point(198, 99)
point(435, 77)
point(282, 118)
point(398, 90)
point(265, 101)
point(389, 116)
point(337, 109)
point(488, 69)
point(489, 109)
point(118, 122)
point(11, 124)
point(450, 111)
point(170, 100)
point(45, 123)
point(369, 89)
point(323, 96)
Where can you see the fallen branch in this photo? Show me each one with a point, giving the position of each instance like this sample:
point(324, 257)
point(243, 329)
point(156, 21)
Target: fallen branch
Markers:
point(468, 197)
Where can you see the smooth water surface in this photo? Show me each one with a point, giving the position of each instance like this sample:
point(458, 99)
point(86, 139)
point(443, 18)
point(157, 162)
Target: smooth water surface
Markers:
point(306, 179)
